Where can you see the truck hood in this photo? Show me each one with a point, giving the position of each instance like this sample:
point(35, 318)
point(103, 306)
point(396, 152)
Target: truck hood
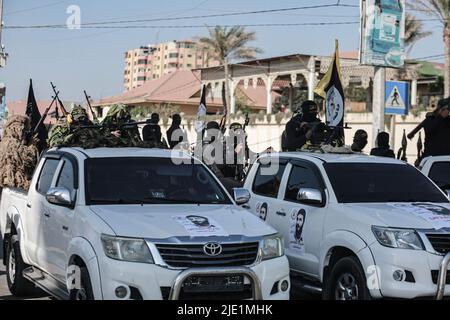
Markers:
point(165, 221)
point(401, 215)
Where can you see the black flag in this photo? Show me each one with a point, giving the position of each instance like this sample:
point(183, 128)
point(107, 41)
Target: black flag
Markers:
point(330, 88)
point(33, 113)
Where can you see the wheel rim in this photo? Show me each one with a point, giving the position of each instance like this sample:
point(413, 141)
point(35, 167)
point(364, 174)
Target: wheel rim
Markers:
point(12, 265)
point(346, 287)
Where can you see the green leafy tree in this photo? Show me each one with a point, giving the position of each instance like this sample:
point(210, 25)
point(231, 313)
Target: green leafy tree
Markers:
point(229, 44)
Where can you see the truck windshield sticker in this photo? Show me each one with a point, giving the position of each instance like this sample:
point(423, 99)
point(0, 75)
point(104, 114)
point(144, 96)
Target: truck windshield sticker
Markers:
point(438, 215)
point(200, 226)
point(261, 210)
point(297, 221)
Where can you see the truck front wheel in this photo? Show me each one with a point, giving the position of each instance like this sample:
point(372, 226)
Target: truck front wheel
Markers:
point(84, 292)
point(347, 281)
point(17, 284)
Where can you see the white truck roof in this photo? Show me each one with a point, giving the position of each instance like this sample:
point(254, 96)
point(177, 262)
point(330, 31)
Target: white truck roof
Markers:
point(124, 152)
point(339, 157)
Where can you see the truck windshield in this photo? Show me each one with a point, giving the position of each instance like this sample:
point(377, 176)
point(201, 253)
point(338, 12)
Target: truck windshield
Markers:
point(377, 182)
point(150, 181)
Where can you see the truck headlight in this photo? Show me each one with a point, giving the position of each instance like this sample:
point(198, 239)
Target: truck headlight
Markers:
point(272, 247)
point(398, 238)
point(126, 249)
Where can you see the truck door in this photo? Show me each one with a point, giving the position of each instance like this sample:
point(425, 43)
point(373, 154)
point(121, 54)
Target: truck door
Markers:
point(302, 223)
point(38, 213)
point(58, 229)
point(264, 188)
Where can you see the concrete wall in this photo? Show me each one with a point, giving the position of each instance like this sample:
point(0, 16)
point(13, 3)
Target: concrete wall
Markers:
point(264, 134)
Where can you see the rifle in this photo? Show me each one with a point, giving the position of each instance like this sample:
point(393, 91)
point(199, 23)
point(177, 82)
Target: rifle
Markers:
point(90, 107)
point(123, 126)
point(223, 121)
point(401, 154)
point(64, 111)
point(44, 115)
point(239, 169)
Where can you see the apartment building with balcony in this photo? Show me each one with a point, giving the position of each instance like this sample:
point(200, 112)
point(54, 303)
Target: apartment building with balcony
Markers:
point(154, 61)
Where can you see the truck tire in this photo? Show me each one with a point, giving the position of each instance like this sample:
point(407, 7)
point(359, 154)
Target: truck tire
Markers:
point(347, 281)
point(17, 284)
point(85, 291)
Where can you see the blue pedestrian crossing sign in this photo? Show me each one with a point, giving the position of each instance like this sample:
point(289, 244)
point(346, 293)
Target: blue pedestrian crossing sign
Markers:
point(397, 97)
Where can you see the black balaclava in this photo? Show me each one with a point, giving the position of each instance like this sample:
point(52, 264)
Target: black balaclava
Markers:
point(309, 111)
point(359, 140)
point(154, 118)
point(176, 120)
point(383, 140)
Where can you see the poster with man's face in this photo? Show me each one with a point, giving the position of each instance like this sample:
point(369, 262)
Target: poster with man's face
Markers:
point(261, 210)
point(297, 223)
point(437, 214)
point(200, 226)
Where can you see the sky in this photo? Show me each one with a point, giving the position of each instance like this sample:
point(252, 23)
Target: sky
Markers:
point(93, 59)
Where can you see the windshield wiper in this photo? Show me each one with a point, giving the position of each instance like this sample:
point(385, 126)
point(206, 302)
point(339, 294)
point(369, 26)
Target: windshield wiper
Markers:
point(120, 201)
point(174, 200)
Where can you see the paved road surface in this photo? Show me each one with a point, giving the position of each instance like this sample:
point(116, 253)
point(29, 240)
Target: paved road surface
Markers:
point(4, 291)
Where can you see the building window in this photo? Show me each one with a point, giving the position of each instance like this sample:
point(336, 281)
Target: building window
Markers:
point(141, 79)
point(189, 65)
point(189, 55)
point(173, 55)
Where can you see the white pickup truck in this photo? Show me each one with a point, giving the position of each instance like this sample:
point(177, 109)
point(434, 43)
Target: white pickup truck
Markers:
point(136, 224)
point(438, 169)
point(354, 226)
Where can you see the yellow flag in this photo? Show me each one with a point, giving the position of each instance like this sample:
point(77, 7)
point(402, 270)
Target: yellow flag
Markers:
point(324, 83)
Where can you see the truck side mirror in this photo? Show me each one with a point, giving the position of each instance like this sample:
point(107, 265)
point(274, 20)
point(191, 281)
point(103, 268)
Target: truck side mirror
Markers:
point(310, 196)
point(241, 196)
point(60, 196)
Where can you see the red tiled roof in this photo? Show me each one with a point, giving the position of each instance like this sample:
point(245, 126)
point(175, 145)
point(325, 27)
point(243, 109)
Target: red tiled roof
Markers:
point(183, 87)
point(349, 55)
point(19, 107)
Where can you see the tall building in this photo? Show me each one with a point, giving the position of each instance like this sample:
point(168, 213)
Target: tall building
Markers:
point(153, 61)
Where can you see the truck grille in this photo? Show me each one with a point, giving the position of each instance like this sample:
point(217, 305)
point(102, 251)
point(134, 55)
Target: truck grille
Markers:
point(190, 256)
point(440, 242)
point(435, 274)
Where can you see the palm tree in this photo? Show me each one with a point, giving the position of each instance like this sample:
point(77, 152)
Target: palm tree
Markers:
point(228, 44)
point(440, 9)
point(414, 31)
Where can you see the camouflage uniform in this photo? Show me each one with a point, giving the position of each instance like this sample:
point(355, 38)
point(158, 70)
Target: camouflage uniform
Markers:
point(73, 134)
point(116, 120)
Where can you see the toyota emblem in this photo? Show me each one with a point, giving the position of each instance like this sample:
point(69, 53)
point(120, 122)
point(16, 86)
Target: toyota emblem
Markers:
point(212, 249)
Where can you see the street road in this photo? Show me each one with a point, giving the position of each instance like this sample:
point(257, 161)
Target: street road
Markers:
point(4, 292)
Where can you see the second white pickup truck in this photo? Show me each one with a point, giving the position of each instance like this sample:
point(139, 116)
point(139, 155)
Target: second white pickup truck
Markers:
point(438, 170)
point(354, 226)
point(136, 224)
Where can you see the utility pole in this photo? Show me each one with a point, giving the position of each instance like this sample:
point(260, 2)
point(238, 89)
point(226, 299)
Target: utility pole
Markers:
point(379, 88)
point(3, 54)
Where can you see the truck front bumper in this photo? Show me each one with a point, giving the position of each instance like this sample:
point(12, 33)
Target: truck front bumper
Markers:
point(154, 282)
point(411, 274)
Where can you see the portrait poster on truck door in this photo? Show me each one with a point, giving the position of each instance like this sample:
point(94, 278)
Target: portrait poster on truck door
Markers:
point(297, 223)
point(200, 226)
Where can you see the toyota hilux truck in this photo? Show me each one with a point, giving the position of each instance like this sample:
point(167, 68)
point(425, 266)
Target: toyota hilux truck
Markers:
point(437, 168)
point(137, 224)
point(355, 226)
